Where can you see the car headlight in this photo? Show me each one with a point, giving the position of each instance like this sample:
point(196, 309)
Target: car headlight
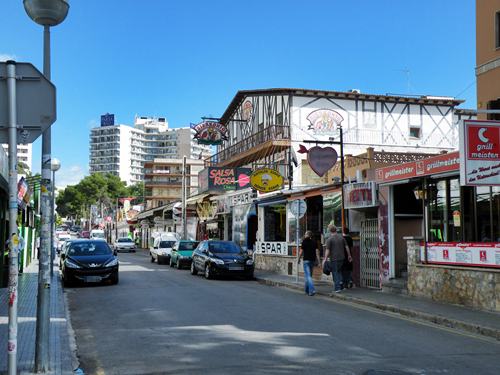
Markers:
point(71, 264)
point(218, 261)
point(249, 262)
point(111, 263)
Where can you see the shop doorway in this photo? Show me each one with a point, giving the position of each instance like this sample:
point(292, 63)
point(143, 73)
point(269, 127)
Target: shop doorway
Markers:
point(252, 231)
point(408, 222)
point(369, 256)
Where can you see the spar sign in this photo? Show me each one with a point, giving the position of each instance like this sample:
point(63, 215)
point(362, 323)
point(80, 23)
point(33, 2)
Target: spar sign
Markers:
point(480, 153)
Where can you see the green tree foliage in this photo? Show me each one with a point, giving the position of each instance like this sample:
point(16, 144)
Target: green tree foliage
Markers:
point(94, 189)
point(137, 191)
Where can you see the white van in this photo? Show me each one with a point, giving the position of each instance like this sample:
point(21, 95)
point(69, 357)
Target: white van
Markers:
point(97, 234)
point(162, 247)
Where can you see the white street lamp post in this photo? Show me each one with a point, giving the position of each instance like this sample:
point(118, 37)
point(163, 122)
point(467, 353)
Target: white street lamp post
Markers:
point(46, 13)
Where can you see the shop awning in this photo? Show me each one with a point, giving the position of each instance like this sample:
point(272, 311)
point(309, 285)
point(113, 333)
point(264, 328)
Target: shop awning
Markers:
point(197, 198)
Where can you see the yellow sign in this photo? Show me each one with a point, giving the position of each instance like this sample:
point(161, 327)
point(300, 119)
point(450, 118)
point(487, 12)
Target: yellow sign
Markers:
point(266, 180)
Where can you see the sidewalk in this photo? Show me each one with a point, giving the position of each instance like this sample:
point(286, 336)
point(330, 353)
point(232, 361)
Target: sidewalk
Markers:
point(452, 316)
point(60, 352)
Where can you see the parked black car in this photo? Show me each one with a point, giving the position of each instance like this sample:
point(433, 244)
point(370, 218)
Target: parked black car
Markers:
point(215, 258)
point(88, 261)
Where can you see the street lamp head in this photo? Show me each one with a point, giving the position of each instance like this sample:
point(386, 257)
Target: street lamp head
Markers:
point(47, 12)
point(55, 164)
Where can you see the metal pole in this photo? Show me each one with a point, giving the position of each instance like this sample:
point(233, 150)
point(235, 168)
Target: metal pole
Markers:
point(14, 240)
point(53, 226)
point(184, 213)
point(297, 238)
point(116, 227)
point(342, 177)
point(44, 279)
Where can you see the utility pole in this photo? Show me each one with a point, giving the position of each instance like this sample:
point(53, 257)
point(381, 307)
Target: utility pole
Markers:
point(14, 240)
point(184, 198)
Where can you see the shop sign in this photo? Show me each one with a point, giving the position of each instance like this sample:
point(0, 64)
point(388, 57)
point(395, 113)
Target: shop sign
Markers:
point(271, 248)
point(462, 254)
point(360, 194)
point(266, 180)
point(224, 179)
point(321, 159)
point(324, 121)
point(22, 189)
point(480, 153)
point(210, 132)
point(206, 210)
point(437, 164)
point(240, 199)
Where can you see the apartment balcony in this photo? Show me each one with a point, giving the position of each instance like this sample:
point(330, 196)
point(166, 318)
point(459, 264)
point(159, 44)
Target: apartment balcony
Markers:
point(275, 137)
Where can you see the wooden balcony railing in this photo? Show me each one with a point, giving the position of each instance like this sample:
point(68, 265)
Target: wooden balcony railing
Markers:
point(274, 135)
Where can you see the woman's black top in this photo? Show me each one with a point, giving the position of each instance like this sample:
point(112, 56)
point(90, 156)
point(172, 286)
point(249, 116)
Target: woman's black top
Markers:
point(309, 249)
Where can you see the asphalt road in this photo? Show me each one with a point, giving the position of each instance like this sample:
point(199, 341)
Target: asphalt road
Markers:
point(160, 320)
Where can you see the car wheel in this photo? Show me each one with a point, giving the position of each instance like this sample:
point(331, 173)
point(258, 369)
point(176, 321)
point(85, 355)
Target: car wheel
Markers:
point(115, 279)
point(67, 283)
point(194, 271)
point(171, 262)
point(159, 260)
point(208, 273)
point(250, 276)
point(152, 258)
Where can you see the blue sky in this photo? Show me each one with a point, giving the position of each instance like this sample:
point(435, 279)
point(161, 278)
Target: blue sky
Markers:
point(186, 59)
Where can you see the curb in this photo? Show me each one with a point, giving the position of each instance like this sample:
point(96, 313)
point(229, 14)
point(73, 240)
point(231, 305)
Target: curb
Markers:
point(417, 315)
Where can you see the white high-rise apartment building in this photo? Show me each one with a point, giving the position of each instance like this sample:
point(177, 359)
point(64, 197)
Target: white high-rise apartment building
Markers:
point(122, 149)
point(24, 153)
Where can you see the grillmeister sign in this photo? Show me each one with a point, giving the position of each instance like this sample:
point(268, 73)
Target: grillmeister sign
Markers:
point(480, 153)
point(437, 164)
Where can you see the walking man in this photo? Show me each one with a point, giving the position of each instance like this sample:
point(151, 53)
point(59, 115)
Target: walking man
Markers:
point(334, 253)
point(310, 251)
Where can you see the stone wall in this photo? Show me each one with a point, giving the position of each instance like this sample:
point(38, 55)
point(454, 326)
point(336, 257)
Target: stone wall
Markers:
point(474, 287)
point(280, 264)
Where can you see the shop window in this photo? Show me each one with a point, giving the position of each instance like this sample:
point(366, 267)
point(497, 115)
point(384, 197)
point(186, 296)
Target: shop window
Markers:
point(275, 219)
point(497, 30)
point(495, 105)
point(332, 210)
point(445, 216)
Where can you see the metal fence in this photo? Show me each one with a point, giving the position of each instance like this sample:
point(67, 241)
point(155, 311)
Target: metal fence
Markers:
point(370, 260)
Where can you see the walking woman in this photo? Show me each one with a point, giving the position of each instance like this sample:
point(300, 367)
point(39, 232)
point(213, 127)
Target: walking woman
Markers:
point(309, 249)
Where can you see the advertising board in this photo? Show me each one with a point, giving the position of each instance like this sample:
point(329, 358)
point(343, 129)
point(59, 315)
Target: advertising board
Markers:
point(480, 153)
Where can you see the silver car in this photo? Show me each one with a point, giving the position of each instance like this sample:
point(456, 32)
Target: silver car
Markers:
point(125, 244)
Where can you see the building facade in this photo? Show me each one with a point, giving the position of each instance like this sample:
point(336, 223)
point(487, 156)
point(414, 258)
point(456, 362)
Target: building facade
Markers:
point(488, 57)
point(163, 180)
point(24, 154)
point(277, 128)
point(122, 150)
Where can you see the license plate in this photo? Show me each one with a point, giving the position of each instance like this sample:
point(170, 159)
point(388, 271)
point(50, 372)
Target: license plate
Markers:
point(93, 279)
point(236, 268)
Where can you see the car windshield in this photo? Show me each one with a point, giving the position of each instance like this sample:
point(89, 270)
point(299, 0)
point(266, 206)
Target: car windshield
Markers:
point(98, 235)
point(89, 248)
point(223, 247)
point(164, 244)
point(124, 240)
point(188, 245)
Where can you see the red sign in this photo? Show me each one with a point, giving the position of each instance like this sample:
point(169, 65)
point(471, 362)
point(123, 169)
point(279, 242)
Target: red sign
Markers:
point(436, 164)
point(483, 142)
point(480, 153)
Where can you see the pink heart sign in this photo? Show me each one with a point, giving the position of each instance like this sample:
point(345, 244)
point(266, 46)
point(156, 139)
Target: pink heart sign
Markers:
point(321, 160)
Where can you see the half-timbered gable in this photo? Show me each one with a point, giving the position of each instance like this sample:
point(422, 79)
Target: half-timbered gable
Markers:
point(266, 127)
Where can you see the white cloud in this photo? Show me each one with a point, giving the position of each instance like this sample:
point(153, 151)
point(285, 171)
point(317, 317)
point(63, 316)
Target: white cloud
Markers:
point(6, 56)
point(70, 175)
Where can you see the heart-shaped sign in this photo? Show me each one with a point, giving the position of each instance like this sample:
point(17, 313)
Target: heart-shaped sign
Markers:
point(321, 159)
